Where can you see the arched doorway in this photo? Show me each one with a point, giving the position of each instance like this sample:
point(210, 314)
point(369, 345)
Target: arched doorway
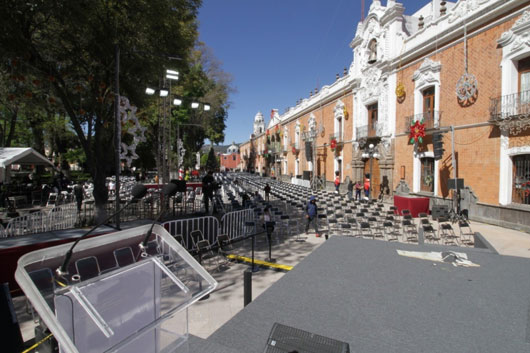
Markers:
point(375, 178)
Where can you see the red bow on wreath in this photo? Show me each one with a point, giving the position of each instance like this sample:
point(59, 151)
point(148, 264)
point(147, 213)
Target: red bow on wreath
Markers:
point(417, 132)
point(294, 150)
point(333, 144)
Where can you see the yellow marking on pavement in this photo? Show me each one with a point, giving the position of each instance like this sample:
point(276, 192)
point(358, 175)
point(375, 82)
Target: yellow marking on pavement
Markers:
point(260, 262)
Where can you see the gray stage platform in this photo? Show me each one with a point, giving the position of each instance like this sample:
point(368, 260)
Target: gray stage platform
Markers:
point(362, 292)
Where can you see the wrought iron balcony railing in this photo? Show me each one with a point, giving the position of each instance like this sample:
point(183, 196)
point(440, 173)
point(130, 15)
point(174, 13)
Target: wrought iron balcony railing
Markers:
point(431, 119)
point(369, 131)
point(511, 112)
point(275, 147)
point(510, 105)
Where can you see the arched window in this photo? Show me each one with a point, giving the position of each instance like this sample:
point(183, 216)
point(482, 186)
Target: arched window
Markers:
point(372, 51)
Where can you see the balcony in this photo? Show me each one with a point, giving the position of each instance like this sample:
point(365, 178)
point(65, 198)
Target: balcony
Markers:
point(275, 148)
point(511, 112)
point(432, 120)
point(370, 131)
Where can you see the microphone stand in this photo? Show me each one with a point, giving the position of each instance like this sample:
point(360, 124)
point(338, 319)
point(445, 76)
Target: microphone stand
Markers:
point(167, 191)
point(138, 192)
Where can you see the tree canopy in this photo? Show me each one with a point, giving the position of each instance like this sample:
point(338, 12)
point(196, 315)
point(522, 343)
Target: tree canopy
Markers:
point(58, 58)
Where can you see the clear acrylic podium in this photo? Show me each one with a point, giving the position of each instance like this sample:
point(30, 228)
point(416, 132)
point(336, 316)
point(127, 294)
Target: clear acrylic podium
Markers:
point(114, 298)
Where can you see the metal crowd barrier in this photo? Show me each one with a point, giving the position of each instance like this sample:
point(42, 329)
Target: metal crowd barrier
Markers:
point(233, 223)
point(209, 226)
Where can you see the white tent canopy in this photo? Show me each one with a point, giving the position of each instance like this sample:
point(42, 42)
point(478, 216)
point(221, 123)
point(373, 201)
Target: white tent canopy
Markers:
point(23, 156)
point(14, 155)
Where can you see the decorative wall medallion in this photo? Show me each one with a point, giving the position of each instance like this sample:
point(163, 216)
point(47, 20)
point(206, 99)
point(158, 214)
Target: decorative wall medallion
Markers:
point(400, 92)
point(467, 86)
point(467, 89)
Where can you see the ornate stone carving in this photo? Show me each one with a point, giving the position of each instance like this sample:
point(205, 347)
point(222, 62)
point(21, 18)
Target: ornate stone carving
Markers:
point(312, 123)
point(427, 72)
point(339, 110)
point(370, 87)
point(519, 34)
point(464, 8)
point(515, 125)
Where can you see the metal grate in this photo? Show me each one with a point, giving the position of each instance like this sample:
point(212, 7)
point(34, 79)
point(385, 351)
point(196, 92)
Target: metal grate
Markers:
point(521, 179)
point(284, 339)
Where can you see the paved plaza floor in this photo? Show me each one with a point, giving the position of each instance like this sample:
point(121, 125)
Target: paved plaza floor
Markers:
point(206, 316)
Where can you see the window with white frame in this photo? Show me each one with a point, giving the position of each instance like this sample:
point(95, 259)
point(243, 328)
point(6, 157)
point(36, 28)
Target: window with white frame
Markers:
point(427, 174)
point(521, 179)
point(297, 136)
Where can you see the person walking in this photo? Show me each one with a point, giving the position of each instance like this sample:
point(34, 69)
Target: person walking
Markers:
point(78, 193)
point(367, 187)
point(350, 190)
point(337, 182)
point(358, 187)
point(267, 190)
point(207, 189)
point(311, 215)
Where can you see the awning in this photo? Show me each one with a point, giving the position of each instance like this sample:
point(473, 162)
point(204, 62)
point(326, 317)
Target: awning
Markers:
point(14, 155)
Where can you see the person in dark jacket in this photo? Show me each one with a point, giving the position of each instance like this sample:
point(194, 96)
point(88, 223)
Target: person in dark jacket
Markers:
point(208, 189)
point(79, 192)
point(267, 191)
point(311, 215)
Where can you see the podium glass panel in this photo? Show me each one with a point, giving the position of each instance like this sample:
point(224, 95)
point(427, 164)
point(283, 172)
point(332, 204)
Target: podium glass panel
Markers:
point(139, 307)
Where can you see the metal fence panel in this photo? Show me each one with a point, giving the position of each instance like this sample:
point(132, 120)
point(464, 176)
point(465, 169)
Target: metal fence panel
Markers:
point(233, 223)
point(209, 226)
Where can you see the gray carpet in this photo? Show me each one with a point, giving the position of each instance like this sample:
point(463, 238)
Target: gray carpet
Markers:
point(362, 292)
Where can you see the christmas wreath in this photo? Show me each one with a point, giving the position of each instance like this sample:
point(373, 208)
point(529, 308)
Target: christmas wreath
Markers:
point(417, 131)
point(427, 180)
point(527, 188)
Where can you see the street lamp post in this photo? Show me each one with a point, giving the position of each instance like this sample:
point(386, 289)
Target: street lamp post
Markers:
point(164, 127)
point(180, 146)
point(370, 152)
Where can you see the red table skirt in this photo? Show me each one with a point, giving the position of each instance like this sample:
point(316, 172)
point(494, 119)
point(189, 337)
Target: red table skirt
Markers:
point(414, 204)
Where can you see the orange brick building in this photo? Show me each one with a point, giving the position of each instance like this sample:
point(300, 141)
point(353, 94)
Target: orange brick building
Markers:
point(460, 69)
point(230, 161)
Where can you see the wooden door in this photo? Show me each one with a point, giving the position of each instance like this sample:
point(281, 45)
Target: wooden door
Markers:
point(375, 178)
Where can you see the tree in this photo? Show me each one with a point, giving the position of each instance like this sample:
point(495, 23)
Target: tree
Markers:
point(212, 163)
point(71, 46)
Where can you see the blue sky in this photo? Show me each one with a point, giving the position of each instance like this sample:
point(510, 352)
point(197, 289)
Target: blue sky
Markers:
point(279, 50)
